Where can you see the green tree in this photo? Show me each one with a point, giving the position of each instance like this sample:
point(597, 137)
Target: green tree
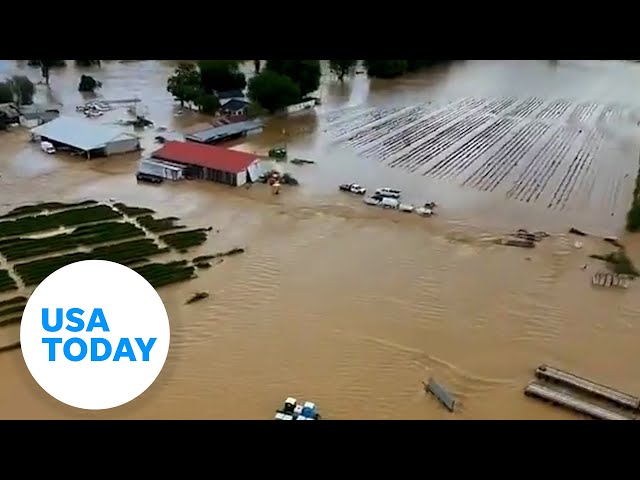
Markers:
point(273, 91)
point(385, 68)
point(88, 84)
point(23, 89)
point(221, 75)
point(87, 63)
point(342, 68)
point(6, 92)
point(304, 73)
point(184, 84)
point(208, 103)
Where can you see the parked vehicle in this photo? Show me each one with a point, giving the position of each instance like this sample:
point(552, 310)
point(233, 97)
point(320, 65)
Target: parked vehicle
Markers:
point(372, 201)
point(292, 410)
point(47, 147)
point(406, 207)
point(145, 177)
point(389, 192)
point(353, 188)
point(426, 210)
point(387, 202)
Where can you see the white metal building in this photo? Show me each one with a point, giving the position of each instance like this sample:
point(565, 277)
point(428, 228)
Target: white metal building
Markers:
point(91, 139)
point(161, 169)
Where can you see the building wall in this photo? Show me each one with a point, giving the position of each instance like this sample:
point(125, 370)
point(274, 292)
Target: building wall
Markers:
point(122, 146)
point(241, 178)
point(301, 106)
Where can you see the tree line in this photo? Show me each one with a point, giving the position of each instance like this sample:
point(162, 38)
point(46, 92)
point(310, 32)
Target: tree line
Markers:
point(279, 84)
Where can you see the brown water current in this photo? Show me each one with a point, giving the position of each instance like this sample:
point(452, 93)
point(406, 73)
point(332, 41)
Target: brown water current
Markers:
point(351, 306)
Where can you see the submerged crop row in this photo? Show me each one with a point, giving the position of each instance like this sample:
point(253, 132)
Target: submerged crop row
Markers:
point(7, 283)
point(126, 253)
point(20, 248)
point(68, 218)
point(184, 240)
point(157, 225)
point(45, 206)
point(132, 211)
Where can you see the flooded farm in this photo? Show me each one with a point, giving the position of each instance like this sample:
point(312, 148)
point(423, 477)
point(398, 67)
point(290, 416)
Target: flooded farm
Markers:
point(352, 306)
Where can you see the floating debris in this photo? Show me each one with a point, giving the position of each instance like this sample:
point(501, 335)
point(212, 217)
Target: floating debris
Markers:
point(575, 231)
point(197, 297)
point(302, 161)
point(608, 279)
point(441, 394)
point(613, 241)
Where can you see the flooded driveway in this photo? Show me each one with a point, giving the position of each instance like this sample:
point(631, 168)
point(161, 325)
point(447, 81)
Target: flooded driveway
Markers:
point(351, 306)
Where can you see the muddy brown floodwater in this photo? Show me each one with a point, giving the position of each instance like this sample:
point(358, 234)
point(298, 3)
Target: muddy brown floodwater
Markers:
point(353, 307)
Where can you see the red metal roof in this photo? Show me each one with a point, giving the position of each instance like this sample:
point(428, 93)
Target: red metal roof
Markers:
point(207, 156)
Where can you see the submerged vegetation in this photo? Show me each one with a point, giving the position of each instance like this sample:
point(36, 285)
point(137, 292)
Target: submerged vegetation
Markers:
point(619, 262)
point(92, 231)
point(633, 216)
point(7, 283)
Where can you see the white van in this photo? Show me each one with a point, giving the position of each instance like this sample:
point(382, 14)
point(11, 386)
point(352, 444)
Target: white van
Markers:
point(47, 147)
point(389, 203)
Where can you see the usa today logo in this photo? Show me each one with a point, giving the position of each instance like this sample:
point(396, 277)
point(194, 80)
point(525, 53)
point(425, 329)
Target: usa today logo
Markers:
point(95, 334)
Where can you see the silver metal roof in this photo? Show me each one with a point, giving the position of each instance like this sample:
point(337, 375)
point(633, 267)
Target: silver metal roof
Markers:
point(79, 133)
point(218, 133)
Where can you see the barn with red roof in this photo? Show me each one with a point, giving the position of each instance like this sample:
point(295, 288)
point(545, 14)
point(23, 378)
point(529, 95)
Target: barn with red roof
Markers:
point(208, 162)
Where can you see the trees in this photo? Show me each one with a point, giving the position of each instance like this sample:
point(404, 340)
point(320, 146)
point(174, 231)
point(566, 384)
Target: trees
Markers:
point(6, 92)
point(342, 67)
point(87, 63)
point(23, 89)
point(273, 91)
point(46, 65)
point(88, 84)
point(208, 103)
point(304, 73)
point(18, 89)
point(221, 75)
point(184, 84)
point(385, 68)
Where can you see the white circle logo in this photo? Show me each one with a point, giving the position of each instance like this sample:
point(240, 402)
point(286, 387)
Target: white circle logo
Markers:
point(95, 334)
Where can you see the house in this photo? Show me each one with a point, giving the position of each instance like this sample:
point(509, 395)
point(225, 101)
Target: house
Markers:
point(230, 95)
point(83, 136)
point(235, 107)
point(208, 162)
point(224, 132)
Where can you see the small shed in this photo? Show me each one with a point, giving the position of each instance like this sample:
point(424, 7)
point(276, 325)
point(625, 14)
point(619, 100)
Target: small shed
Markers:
point(208, 162)
point(90, 139)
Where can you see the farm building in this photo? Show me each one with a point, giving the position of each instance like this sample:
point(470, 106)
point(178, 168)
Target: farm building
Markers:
point(208, 162)
point(235, 107)
point(225, 132)
point(89, 139)
point(230, 95)
point(160, 169)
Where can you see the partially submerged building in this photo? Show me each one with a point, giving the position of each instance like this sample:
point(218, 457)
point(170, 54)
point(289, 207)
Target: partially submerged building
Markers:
point(225, 132)
point(208, 162)
point(235, 108)
point(86, 138)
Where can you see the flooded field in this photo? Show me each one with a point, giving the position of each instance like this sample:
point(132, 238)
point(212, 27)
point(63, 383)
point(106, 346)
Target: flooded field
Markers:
point(351, 306)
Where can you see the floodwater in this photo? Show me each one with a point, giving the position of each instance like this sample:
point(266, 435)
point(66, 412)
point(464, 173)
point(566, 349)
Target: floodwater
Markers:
point(353, 307)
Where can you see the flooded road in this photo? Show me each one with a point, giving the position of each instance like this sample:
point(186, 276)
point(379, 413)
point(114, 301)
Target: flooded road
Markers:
point(350, 306)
